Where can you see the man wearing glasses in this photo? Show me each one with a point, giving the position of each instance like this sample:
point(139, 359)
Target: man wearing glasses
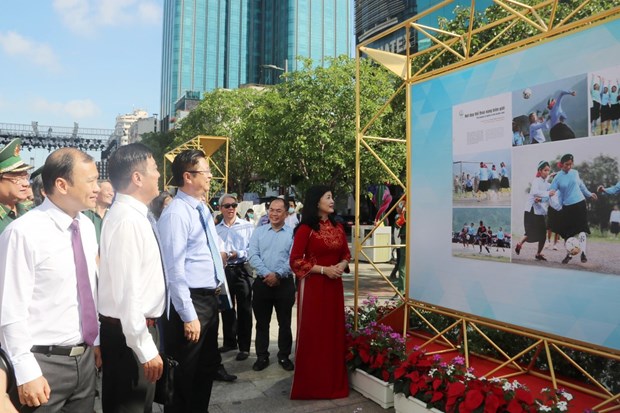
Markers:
point(236, 233)
point(195, 278)
point(14, 183)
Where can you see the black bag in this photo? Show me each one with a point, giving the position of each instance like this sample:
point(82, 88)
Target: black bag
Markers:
point(164, 388)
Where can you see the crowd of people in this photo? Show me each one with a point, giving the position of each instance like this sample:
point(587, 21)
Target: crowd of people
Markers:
point(113, 275)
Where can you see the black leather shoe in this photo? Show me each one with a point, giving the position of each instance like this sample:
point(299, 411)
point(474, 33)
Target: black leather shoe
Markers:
point(226, 349)
point(583, 257)
point(242, 355)
point(222, 375)
point(567, 259)
point(287, 364)
point(260, 364)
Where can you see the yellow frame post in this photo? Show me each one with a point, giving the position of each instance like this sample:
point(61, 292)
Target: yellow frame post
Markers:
point(209, 145)
point(542, 19)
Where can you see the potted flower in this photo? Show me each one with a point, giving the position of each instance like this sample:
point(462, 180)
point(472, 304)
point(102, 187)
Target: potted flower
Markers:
point(423, 383)
point(373, 353)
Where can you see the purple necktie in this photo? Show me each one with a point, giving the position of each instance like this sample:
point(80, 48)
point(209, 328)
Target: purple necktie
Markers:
point(88, 314)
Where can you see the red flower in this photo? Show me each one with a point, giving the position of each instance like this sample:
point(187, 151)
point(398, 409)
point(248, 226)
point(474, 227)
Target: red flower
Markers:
point(492, 403)
point(473, 399)
point(385, 374)
point(524, 396)
point(514, 407)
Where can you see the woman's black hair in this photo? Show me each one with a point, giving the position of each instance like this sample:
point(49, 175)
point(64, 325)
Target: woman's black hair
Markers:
point(157, 204)
point(310, 213)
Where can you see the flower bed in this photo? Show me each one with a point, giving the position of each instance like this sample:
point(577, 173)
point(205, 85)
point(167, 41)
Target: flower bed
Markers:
point(451, 387)
point(379, 391)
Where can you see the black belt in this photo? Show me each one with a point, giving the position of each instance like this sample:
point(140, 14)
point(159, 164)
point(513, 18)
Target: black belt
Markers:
point(150, 322)
point(205, 291)
point(70, 351)
point(239, 264)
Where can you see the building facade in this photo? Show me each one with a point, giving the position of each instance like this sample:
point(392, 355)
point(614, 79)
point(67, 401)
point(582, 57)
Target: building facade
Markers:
point(375, 16)
point(211, 44)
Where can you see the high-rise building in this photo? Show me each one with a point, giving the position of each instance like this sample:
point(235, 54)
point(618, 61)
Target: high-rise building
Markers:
point(210, 44)
point(374, 16)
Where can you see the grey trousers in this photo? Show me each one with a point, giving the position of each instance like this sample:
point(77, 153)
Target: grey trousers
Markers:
point(72, 382)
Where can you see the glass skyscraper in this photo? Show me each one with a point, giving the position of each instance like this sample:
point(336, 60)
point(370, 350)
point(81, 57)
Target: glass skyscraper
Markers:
point(375, 16)
point(210, 44)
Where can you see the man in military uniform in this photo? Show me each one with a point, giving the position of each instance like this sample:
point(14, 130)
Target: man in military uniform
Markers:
point(14, 184)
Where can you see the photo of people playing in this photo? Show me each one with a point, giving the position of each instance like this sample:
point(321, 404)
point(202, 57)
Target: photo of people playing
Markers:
point(564, 199)
point(482, 179)
point(604, 101)
point(481, 233)
point(550, 112)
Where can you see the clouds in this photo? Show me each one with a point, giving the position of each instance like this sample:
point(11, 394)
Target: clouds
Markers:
point(87, 16)
point(15, 45)
point(78, 109)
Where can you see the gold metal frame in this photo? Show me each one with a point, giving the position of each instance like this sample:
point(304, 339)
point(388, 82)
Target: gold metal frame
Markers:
point(541, 17)
point(209, 145)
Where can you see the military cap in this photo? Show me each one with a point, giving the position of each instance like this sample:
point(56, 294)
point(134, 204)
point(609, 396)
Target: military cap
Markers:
point(10, 160)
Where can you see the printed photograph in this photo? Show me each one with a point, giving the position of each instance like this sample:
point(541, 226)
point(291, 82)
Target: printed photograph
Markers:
point(482, 179)
point(565, 205)
point(604, 101)
point(481, 233)
point(550, 112)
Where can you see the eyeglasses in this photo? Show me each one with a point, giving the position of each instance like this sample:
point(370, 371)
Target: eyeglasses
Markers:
point(17, 179)
point(226, 206)
point(208, 171)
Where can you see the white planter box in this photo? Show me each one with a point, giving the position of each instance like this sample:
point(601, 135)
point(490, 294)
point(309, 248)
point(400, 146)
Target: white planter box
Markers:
point(378, 391)
point(404, 404)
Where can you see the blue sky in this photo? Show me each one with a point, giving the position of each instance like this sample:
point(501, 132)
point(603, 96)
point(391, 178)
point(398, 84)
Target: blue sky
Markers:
point(85, 61)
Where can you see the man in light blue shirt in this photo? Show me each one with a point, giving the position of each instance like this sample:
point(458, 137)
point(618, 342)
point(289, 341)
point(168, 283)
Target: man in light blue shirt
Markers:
point(270, 248)
point(235, 233)
point(195, 278)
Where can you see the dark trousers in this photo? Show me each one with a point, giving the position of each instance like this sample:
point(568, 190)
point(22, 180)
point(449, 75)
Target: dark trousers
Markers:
point(199, 361)
point(282, 298)
point(124, 387)
point(72, 382)
point(237, 322)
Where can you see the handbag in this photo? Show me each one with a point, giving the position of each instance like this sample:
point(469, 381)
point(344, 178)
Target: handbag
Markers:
point(164, 388)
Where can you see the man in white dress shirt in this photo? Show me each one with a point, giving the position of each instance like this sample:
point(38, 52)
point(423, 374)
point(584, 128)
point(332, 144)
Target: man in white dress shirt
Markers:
point(48, 290)
point(131, 285)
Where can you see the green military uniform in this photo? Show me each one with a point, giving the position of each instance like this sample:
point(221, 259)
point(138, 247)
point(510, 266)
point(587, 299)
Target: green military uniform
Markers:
point(97, 220)
point(11, 162)
point(7, 215)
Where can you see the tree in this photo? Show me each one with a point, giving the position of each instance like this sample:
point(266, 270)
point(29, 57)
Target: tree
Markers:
point(159, 143)
point(308, 131)
point(302, 131)
point(228, 113)
point(519, 31)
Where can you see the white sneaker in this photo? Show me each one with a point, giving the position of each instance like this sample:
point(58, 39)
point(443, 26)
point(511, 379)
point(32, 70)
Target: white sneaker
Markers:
point(555, 246)
point(547, 245)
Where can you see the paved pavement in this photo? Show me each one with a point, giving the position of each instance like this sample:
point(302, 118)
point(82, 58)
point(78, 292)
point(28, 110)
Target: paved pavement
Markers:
point(268, 390)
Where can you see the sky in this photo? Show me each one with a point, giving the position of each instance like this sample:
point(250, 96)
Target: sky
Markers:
point(85, 61)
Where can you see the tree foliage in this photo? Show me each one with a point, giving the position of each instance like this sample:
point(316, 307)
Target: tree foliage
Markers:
point(301, 131)
point(495, 37)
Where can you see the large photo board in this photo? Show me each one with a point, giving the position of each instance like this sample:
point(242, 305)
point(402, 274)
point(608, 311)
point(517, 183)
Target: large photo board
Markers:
point(524, 151)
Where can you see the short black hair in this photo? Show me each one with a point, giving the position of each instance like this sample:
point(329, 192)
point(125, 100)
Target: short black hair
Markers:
point(60, 164)
point(284, 202)
point(183, 162)
point(126, 160)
